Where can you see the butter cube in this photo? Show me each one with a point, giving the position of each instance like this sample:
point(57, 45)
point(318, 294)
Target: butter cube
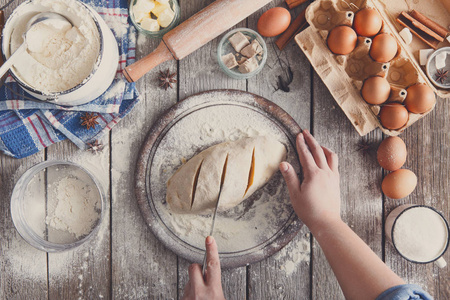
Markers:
point(144, 6)
point(440, 60)
point(249, 65)
point(238, 41)
point(142, 9)
point(423, 56)
point(166, 17)
point(252, 49)
point(150, 24)
point(159, 8)
point(406, 35)
point(229, 60)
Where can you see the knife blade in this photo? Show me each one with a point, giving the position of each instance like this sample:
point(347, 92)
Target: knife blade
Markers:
point(222, 179)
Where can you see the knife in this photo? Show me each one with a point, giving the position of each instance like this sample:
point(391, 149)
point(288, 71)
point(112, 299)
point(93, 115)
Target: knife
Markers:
point(215, 211)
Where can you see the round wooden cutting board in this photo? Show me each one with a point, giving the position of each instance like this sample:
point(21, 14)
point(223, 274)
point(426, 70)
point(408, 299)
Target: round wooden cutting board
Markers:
point(256, 228)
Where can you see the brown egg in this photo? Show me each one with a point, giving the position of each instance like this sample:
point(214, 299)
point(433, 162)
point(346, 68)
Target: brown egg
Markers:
point(393, 116)
point(391, 154)
point(274, 21)
point(384, 48)
point(420, 98)
point(376, 90)
point(399, 184)
point(367, 22)
point(342, 40)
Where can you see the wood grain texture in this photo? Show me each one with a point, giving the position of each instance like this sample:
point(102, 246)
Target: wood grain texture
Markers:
point(361, 200)
point(429, 158)
point(141, 267)
point(23, 269)
point(285, 275)
point(206, 76)
point(75, 273)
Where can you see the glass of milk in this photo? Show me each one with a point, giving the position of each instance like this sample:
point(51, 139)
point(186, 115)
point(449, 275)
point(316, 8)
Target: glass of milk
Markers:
point(419, 233)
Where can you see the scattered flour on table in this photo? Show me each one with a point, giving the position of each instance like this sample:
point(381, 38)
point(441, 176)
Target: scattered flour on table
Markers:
point(251, 223)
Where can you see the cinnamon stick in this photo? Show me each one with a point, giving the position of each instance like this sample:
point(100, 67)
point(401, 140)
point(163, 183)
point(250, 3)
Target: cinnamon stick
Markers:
point(296, 26)
point(294, 3)
point(429, 23)
point(420, 30)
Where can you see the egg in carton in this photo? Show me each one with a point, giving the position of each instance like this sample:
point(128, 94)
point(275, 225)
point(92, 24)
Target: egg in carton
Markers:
point(345, 75)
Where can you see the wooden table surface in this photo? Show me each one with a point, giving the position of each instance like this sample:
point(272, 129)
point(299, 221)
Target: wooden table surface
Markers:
point(126, 261)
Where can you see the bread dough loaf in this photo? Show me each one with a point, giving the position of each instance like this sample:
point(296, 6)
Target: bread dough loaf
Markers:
point(250, 163)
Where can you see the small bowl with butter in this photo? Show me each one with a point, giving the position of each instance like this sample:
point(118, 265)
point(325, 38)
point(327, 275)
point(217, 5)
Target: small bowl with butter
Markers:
point(154, 17)
point(242, 53)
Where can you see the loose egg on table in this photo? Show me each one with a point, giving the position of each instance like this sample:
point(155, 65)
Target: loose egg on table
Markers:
point(384, 48)
point(367, 22)
point(376, 90)
point(420, 98)
point(391, 154)
point(399, 184)
point(342, 40)
point(274, 21)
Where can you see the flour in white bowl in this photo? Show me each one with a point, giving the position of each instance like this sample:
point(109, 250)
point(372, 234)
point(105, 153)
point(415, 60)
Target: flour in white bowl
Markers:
point(59, 56)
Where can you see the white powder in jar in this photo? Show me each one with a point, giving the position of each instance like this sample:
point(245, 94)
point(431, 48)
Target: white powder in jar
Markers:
point(59, 56)
point(420, 234)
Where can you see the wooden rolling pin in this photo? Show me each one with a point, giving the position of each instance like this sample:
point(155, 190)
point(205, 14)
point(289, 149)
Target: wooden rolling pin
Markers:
point(195, 32)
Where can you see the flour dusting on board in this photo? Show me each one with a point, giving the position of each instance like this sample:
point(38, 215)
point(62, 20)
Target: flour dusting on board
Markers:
point(252, 222)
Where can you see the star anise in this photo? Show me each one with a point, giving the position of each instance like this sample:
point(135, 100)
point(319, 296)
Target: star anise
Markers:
point(95, 147)
point(365, 147)
point(89, 120)
point(166, 79)
point(441, 75)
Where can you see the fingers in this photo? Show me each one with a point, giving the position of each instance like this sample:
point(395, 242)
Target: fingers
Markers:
point(305, 156)
point(316, 150)
point(212, 262)
point(291, 178)
point(195, 275)
point(332, 159)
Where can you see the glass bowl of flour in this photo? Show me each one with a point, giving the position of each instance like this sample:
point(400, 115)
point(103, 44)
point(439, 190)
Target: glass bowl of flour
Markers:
point(57, 206)
point(67, 65)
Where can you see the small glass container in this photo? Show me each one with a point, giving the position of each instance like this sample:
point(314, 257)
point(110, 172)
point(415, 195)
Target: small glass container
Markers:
point(225, 47)
point(163, 30)
point(57, 206)
point(432, 70)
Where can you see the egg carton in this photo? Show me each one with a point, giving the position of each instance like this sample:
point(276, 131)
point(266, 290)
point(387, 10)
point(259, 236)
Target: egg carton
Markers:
point(344, 74)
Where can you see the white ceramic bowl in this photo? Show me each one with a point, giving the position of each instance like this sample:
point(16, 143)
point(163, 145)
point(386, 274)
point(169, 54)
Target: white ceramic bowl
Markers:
point(98, 80)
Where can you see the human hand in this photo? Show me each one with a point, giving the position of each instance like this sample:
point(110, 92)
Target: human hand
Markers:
point(317, 199)
point(210, 287)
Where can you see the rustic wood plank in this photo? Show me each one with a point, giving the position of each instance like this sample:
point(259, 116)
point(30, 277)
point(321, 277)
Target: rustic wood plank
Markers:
point(77, 271)
point(429, 158)
point(285, 275)
point(142, 268)
point(361, 200)
point(23, 269)
point(206, 75)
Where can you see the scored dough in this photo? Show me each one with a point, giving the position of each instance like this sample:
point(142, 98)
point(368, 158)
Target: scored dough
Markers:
point(250, 163)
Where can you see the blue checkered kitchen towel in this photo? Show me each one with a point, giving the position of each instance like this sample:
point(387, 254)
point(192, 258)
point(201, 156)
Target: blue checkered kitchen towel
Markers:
point(26, 127)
